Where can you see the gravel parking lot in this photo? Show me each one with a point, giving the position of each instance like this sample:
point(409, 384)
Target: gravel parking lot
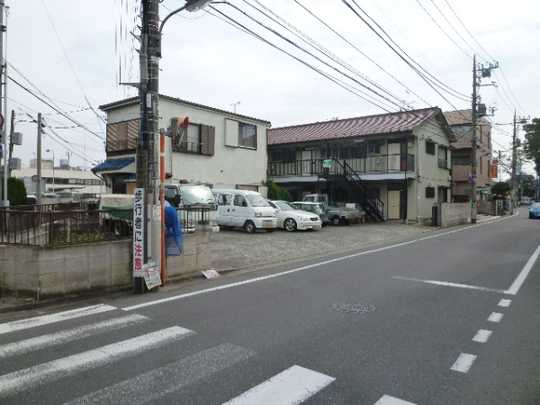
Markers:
point(236, 249)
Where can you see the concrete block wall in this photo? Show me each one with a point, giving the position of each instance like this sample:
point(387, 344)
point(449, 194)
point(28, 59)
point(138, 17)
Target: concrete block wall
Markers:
point(194, 258)
point(452, 214)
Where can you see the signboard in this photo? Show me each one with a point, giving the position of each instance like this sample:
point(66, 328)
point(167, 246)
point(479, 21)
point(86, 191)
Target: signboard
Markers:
point(327, 163)
point(138, 232)
point(152, 276)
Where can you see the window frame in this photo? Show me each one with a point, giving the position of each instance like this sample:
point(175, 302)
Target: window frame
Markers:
point(255, 135)
point(442, 163)
point(430, 192)
point(430, 144)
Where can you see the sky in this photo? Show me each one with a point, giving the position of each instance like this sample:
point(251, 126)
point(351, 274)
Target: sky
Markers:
point(74, 50)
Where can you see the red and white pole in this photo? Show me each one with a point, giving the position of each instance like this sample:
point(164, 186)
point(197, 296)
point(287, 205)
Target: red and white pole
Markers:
point(163, 260)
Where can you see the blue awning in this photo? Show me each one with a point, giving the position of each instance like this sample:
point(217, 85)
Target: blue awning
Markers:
point(113, 164)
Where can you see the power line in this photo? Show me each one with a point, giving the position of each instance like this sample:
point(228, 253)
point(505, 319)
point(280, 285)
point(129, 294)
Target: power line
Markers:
point(320, 72)
point(294, 44)
point(451, 25)
point(467, 54)
point(410, 61)
point(351, 44)
point(55, 109)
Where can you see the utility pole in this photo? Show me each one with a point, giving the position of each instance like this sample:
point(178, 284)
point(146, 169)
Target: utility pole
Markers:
point(3, 131)
point(11, 132)
point(514, 160)
point(38, 172)
point(499, 167)
point(474, 113)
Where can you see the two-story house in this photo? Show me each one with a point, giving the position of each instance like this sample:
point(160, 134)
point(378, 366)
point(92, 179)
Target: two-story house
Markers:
point(215, 147)
point(395, 165)
point(461, 124)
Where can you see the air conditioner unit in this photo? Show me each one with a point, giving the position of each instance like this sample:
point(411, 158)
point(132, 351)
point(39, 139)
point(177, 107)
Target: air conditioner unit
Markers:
point(15, 164)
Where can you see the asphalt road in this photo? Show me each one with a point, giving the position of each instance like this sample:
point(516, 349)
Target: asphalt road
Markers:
point(449, 318)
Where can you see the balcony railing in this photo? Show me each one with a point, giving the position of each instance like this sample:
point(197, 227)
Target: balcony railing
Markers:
point(377, 164)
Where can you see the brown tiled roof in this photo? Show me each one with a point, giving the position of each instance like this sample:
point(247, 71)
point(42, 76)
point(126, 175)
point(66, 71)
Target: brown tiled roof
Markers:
point(458, 117)
point(402, 121)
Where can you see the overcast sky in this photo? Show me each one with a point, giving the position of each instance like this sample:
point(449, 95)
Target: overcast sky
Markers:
point(210, 62)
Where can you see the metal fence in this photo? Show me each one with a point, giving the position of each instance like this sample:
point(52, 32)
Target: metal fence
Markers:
point(49, 226)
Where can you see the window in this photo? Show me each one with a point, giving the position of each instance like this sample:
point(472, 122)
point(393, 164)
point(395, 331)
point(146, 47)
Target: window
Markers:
point(240, 201)
point(122, 136)
point(443, 194)
point(430, 192)
point(481, 165)
point(374, 147)
point(197, 138)
point(443, 157)
point(247, 135)
point(224, 199)
point(193, 139)
point(430, 148)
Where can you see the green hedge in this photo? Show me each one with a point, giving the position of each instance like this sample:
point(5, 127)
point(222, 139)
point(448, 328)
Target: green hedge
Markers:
point(16, 191)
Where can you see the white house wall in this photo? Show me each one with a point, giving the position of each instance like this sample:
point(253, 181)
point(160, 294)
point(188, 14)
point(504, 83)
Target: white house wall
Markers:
point(230, 166)
point(428, 172)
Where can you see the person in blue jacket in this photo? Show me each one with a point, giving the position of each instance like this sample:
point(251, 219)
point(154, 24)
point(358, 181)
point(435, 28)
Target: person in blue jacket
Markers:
point(173, 231)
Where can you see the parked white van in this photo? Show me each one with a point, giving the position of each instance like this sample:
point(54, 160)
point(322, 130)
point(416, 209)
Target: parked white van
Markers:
point(244, 209)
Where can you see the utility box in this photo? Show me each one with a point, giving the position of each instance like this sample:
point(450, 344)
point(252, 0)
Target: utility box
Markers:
point(17, 138)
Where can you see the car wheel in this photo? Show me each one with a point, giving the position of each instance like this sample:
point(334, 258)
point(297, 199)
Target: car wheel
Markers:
point(336, 220)
point(289, 225)
point(249, 227)
point(530, 216)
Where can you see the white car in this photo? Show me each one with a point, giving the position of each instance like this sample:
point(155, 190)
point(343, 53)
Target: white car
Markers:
point(292, 219)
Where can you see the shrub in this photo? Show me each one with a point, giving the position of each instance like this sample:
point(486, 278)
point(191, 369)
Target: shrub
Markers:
point(16, 191)
point(276, 192)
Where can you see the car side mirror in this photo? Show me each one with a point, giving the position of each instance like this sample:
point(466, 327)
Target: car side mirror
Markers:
point(244, 204)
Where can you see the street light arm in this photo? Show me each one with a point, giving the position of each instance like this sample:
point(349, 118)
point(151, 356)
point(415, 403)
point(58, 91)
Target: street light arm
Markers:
point(170, 15)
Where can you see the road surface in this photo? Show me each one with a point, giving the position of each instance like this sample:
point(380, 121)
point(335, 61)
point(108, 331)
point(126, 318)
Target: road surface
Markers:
point(450, 318)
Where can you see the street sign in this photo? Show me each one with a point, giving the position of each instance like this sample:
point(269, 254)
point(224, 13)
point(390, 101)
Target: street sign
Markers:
point(327, 163)
point(138, 233)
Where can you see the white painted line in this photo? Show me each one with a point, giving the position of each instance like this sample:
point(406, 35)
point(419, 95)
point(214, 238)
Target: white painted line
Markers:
point(169, 378)
point(292, 386)
point(45, 373)
point(482, 336)
point(495, 317)
point(307, 267)
point(53, 318)
point(53, 339)
point(505, 303)
point(388, 400)
point(520, 279)
point(449, 284)
point(463, 363)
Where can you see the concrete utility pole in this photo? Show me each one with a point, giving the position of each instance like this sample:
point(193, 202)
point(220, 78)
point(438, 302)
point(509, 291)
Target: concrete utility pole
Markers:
point(11, 132)
point(3, 130)
point(474, 113)
point(38, 172)
point(514, 160)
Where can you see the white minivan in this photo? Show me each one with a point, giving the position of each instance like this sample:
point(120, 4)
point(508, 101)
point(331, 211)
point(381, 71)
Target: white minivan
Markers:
point(244, 209)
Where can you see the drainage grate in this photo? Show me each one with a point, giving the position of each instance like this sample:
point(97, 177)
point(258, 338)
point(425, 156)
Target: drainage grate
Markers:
point(353, 308)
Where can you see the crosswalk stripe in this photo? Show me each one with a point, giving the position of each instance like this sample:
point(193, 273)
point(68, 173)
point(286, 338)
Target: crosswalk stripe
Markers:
point(53, 370)
point(53, 318)
point(388, 400)
point(53, 339)
point(168, 379)
point(292, 386)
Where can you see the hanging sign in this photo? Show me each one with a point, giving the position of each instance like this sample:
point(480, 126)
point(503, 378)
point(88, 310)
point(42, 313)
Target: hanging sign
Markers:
point(138, 233)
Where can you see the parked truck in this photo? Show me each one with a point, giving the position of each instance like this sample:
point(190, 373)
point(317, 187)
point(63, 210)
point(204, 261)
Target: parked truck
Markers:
point(337, 215)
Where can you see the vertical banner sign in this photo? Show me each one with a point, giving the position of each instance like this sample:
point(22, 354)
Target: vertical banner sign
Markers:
point(138, 233)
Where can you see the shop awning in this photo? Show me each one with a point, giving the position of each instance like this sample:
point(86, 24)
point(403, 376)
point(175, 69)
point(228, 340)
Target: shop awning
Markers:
point(113, 165)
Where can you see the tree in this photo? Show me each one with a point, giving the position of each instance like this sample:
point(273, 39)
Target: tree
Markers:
point(16, 191)
point(532, 143)
point(276, 192)
point(501, 189)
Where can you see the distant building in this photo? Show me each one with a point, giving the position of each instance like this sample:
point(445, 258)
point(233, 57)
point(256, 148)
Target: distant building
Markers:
point(461, 124)
point(81, 181)
point(45, 164)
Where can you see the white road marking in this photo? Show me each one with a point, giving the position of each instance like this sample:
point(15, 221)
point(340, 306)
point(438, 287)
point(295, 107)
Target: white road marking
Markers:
point(169, 378)
point(449, 284)
point(482, 336)
point(495, 317)
point(520, 279)
point(53, 318)
point(307, 267)
point(53, 339)
point(292, 386)
point(44, 373)
point(505, 303)
point(463, 363)
point(388, 400)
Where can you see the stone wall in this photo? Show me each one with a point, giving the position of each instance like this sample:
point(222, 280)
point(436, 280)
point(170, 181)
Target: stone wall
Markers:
point(451, 214)
point(39, 272)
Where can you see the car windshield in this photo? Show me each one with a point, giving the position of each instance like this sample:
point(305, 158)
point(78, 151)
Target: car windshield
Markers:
point(282, 205)
point(256, 200)
point(192, 195)
point(535, 205)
